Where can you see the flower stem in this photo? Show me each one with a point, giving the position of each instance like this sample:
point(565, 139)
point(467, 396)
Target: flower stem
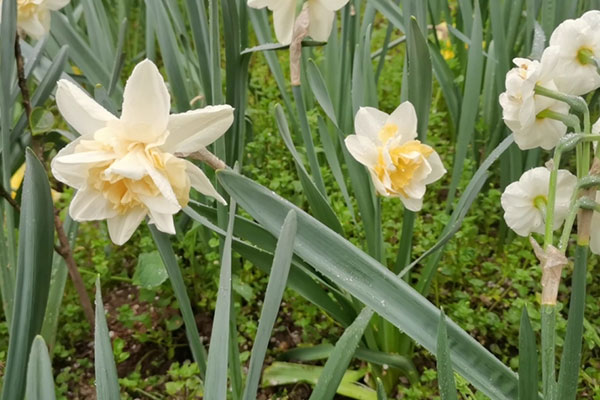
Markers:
point(552, 197)
point(577, 103)
point(548, 345)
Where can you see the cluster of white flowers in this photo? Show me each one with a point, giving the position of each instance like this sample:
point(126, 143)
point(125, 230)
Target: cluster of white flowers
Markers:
point(567, 66)
point(321, 15)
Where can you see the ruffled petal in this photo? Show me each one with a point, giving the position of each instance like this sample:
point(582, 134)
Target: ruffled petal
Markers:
point(122, 226)
point(362, 149)
point(80, 111)
point(146, 103)
point(201, 183)
point(369, 121)
point(193, 130)
point(405, 118)
point(90, 205)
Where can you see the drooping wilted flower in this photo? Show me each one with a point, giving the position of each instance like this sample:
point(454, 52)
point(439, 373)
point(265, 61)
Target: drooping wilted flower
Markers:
point(578, 41)
point(321, 15)
point(33, 16)
point(126, 168)
point(524, 202)
point(400, 166)
point(521, 107)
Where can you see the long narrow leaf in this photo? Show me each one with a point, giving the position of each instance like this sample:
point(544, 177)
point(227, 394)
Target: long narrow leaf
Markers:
point(275, 288)
point(445, 370)
point(528, 360)
point(36, 238)
point(40, 380)
point(107, 382)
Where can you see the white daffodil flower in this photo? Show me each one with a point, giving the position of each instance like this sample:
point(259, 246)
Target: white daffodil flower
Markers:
point(400, 166)
point(33, 16)
point(524, 202)
point(521, 106)
point(577, 40)
point(321, 15)
point(126, 168)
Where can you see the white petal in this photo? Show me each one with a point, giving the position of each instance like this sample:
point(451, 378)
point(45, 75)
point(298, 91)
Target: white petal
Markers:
point(146, 103)
point(411, 203)
point(90, 205)
point(201, 183)
point(405, 118)
point(162, 183)
point(163, 222)
point(80, 110)
point(37, 25)
point(437, 168)
point(362, 149)
point(595, 232)
point(193, 130)
point(55, 4)
point(131, 166)
point(258, 3)
point(333, 5)
point(283, 20)
point(159, 204)
point(369, 121)
point(65, 173)
point(321, 21)
point(121, 227)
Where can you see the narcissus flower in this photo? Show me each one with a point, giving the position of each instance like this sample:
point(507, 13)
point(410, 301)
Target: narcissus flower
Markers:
point(524, 202)
point(400, 166)
point(321, 15)
point(578, 40)
point(126, 168)
point(522, 109)
point(33, 16)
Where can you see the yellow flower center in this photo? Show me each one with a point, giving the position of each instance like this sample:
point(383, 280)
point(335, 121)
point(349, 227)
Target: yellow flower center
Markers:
point(404, 162)
point(26, 8)
point(388, 132)
point(125, 193)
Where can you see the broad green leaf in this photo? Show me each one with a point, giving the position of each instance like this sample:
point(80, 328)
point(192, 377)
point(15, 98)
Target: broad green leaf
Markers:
point(273, 295)
point(150, 271)
point(36, 239)
point(528, 360)
point(107, 382)
point(280, 373)
point(215, 385)
point(570, 363)
point(445, 370)
point(165, 249)
point(374, 285)
point(40, 380)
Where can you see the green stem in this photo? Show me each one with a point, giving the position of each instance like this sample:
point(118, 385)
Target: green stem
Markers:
point(548, 343)
point(552, 197)
point(569, 120)
point(577, 103)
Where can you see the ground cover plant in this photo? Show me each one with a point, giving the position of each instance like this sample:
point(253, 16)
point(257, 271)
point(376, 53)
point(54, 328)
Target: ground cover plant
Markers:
point(316, 199)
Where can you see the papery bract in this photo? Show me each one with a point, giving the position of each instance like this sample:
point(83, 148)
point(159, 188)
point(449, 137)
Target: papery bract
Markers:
point(521, 106)
point(524, 202)
point(577, 41)
point(33, 16)
point(126, 168)
point(400, 166)
point(321, 15)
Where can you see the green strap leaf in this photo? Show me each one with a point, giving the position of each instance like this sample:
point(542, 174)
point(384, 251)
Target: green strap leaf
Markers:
point(107, 381)
point(275, 288)
point(528, 360)
point(36, 239)
point(215, 385)
point(445, 370)
point(40, 380)
point(374, 285)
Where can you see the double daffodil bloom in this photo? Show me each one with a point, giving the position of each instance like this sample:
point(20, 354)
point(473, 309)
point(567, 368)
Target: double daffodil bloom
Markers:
point(524, 202)
point(400, 166)
point(321, 15)
point(33, 16)
point(522, 109)
point(126, 168)
point(578, 41)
